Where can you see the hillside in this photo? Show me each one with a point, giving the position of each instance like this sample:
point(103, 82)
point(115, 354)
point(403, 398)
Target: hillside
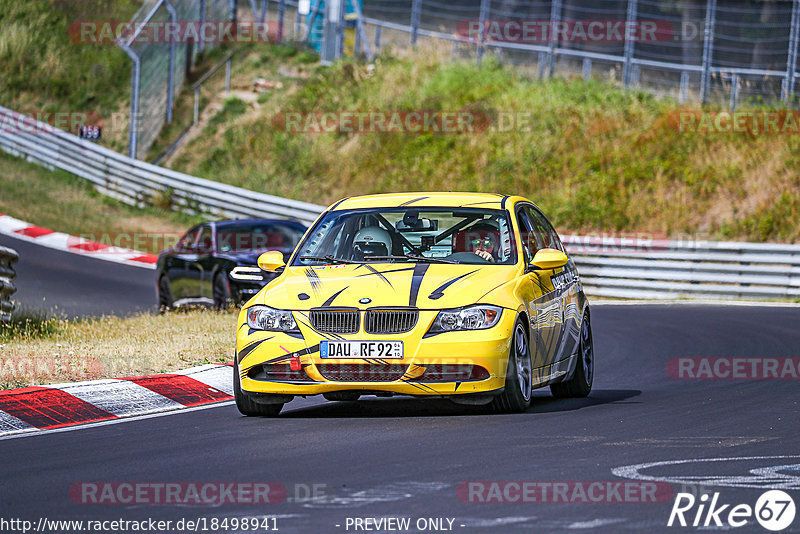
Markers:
point(596, 158)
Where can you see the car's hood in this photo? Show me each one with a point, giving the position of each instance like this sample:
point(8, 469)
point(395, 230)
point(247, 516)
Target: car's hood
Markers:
point(424, 285)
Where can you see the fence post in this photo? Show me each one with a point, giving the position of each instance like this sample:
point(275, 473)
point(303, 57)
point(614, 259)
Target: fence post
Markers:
point(791, 59)
point(708, 49)
point(281, 15)
point(201, 45)
point(361, 31)
point(555, 15)
point(378, 38)
point(136, 77)
point(629, 42)
point(263, 11)
point(173, 15)
point(416, 9)
point(587, 69)
point(484, 17)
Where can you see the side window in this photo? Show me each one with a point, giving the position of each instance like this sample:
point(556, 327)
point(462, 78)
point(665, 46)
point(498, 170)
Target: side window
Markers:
point(549, 237)
point(186, 243)
point(527, 235)
point(205, 244)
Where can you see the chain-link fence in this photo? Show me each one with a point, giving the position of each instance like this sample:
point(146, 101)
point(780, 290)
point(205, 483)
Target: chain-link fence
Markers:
point(721, 50)
point(160, 61)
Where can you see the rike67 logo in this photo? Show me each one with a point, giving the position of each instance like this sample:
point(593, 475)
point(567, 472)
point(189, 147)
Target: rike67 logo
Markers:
point(774, 510)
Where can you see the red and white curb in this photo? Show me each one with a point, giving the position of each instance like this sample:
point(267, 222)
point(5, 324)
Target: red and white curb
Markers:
point(76, 245)
point(41, 408)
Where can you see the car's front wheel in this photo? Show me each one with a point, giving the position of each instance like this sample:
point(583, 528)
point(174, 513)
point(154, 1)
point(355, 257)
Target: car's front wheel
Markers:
point(581, 382)
point(516, 396)
point(249, 407)
point(222, 293)
point(165, 302)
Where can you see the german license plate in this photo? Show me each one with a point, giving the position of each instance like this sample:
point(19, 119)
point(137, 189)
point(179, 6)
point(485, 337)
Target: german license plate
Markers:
point(361, 349)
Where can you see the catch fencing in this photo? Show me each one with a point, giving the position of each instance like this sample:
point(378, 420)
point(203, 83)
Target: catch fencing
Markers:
point(159, 68)
point(609, 268)
point(8, 257)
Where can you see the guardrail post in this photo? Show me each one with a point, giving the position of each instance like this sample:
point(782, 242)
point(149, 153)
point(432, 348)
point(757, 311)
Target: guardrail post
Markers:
point(484, 17)
point(734, 91)
point(416, 9)
point(378, 38)
point(684, 94)
point(587, 69)
point(708, 49)
point(8, 257)
point(633, 6)
point(173, 16)
point(791, 58)
point(555, 16)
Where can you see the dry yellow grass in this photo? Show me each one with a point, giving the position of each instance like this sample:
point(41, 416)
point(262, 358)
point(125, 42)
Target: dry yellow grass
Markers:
point(113, 347)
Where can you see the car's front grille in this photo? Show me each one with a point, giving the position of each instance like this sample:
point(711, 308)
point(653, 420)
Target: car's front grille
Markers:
point(390, 321)
point(452, 372)
point(355, 372)
point(342, 321)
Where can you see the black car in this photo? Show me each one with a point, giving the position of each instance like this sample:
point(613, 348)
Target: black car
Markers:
point(216, 263)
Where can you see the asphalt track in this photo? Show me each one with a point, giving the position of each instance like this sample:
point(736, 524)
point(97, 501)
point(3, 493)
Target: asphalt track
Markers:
point(73, 285)
point(406, 457)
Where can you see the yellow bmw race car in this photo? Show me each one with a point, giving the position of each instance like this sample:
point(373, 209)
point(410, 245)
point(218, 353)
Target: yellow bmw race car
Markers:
point(460, 295)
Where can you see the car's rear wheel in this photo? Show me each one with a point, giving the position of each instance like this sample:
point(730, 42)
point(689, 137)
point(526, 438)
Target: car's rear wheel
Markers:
point(581, 382)
point(165, 301)
point(249, 407)
point(222, 293)
point(516, 396)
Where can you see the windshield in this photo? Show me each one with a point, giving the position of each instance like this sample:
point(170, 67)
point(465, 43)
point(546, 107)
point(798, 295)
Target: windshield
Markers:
point(249, 237)
point(447, 235)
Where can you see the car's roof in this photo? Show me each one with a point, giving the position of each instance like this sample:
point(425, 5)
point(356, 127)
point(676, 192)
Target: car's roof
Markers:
point(423, 200)
point(237, 222)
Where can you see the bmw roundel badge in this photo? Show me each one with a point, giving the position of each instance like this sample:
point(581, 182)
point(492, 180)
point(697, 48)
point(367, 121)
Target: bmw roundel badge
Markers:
point(365, 300)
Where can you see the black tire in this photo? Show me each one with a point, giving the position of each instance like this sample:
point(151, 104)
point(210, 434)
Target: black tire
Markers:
point(222, 293)
point(516, 396)
point(581, 382)
point(247, 406)
point(165, 302)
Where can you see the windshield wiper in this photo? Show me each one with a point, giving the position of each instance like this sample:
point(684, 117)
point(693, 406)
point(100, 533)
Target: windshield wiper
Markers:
point(329, 258)
point(414, 257)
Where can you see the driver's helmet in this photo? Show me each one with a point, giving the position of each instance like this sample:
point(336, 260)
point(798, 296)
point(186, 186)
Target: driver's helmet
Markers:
point(484, 235)
point(372, 241)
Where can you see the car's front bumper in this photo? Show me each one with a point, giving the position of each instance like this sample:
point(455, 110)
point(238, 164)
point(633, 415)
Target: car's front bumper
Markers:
point(452, 352)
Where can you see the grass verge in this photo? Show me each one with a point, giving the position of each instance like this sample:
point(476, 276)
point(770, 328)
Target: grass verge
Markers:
point(65, 203)
point(48, 350)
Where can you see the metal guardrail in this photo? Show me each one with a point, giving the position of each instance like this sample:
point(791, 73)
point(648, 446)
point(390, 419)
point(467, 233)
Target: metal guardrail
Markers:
point(673, 269)
point(616, 268)
point(8, 257)
point(138, 183)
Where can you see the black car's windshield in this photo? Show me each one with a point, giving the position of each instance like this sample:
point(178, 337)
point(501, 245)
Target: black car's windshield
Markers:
point(251, 237)
point(437, 235)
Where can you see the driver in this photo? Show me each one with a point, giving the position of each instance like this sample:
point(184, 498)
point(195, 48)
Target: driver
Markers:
point(482, 240)
point(372, 241)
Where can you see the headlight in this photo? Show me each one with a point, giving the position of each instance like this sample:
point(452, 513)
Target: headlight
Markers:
point(477, 317)
point(247, 273)
point(266, 318)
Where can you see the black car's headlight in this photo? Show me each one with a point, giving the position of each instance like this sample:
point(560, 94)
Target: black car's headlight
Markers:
point(266, 318)
point(478, 317)
point(254, 274)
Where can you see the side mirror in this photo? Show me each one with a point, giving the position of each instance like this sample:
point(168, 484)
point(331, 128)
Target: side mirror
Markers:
point(548, 258)
point(271, 261)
